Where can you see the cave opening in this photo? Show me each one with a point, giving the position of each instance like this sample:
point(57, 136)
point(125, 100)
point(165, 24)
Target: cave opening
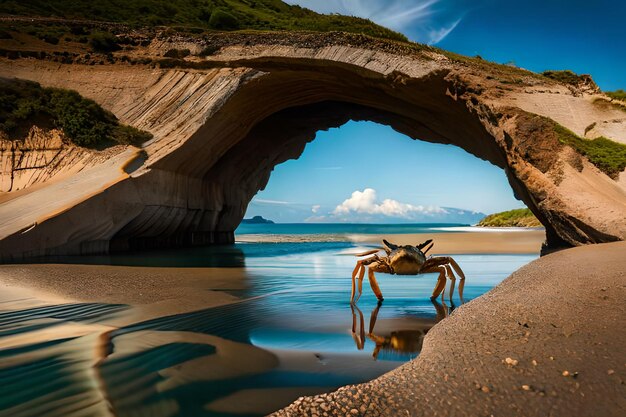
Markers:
point(366, 172)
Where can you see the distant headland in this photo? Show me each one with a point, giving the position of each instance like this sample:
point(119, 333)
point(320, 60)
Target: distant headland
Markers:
point(257, 220)
point(513, 218)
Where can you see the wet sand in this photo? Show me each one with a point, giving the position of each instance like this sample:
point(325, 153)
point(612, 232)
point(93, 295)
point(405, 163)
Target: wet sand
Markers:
point(139, 286)
point(481, 240)
point(548, 340)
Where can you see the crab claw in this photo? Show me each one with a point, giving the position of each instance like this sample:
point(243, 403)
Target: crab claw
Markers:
point(425, 251)
point(390, 245)
point(423, 245)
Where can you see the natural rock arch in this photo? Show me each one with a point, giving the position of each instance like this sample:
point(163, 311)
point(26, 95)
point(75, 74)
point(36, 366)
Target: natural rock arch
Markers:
point(220, 131)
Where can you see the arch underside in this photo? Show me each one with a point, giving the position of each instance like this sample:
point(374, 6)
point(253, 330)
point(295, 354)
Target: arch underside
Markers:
point(426, 109)
point(198, 192)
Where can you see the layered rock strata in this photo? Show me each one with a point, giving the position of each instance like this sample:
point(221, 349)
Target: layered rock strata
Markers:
point(222, 123)
point(44, 155)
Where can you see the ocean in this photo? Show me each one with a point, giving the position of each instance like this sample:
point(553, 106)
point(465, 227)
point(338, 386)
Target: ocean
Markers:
point(347, 228)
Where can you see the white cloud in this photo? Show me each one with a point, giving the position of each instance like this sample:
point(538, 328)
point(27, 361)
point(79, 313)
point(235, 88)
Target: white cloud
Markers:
point(315, 208)
point(397, 16)
point(262, 201)
point(365, 202)
point(437, 35)
point(427, 21)
point(316, 219)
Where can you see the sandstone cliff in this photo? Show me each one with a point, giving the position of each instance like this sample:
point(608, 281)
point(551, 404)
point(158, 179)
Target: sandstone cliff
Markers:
point(42, 156)
point(222, 122)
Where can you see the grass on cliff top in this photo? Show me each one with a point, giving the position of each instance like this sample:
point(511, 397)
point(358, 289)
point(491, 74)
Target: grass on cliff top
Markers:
point(607, 155)
point(513, 218)
point(564, 76)
point(204, 14)
point(617, 95)
point(25, 103)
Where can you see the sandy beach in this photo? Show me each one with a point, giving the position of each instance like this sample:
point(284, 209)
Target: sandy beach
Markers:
point(533, 345)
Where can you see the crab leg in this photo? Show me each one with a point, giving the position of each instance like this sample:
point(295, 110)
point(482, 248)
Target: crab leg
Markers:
point(369, 252)
point(449, 264)
point(374, 284)
point(441, 280)
point(356, 269)
point(360, 269)
point(456, 267)
point(461, 275)
point(361, 276)
point(452, 278)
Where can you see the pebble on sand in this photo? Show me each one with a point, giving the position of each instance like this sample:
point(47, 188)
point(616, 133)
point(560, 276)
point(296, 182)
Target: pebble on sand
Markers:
point(511, 361)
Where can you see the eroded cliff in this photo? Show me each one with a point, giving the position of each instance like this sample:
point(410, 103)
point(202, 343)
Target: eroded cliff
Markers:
point(222, 122)
point(44, 155)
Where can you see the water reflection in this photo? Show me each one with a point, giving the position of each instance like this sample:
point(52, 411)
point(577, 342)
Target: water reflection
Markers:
point(400, 342)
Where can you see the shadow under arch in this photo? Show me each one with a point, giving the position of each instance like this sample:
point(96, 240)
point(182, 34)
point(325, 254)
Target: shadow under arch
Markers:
point(271, 118)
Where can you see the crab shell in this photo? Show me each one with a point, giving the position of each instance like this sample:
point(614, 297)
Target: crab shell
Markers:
point(406, 260)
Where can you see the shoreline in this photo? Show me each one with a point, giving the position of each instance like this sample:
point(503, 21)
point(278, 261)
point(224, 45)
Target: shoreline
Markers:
point(468, 242)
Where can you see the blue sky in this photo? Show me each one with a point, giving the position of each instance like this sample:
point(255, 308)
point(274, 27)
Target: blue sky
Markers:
point(340, 178)
point(585, 36)
point(412, 180)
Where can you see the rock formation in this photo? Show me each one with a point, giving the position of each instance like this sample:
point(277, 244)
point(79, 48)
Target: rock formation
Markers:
point(42, 156)
point(221, 123)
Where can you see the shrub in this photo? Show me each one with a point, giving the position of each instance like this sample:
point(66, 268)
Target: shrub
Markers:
point(221, 19)
point(51, 39)
point(209, 50)
point(617, 94)
point(177, 53)
point(608, 156)
point(78, 30)
point(104, 42)
point(84, 122)
point(215, 14)
point(128, 135)
point(513, 218)
point(566, 76)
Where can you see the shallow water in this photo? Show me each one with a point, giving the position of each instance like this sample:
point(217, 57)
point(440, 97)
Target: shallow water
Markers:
point(214, 362)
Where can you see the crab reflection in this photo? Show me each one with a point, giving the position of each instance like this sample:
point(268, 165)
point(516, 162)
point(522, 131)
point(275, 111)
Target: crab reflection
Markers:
point(404, 341)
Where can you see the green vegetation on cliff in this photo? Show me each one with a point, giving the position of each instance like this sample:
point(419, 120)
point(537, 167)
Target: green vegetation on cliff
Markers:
point(203, 14)
point(617, 94)
point(564, 76)
point(25, 103)
point(512, 218)
point(607, 155)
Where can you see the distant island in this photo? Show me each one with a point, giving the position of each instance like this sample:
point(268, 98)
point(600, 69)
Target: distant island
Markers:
point(256, 220)
point(512, 218)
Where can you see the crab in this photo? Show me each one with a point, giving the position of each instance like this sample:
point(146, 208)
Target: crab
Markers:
point(406, 260)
